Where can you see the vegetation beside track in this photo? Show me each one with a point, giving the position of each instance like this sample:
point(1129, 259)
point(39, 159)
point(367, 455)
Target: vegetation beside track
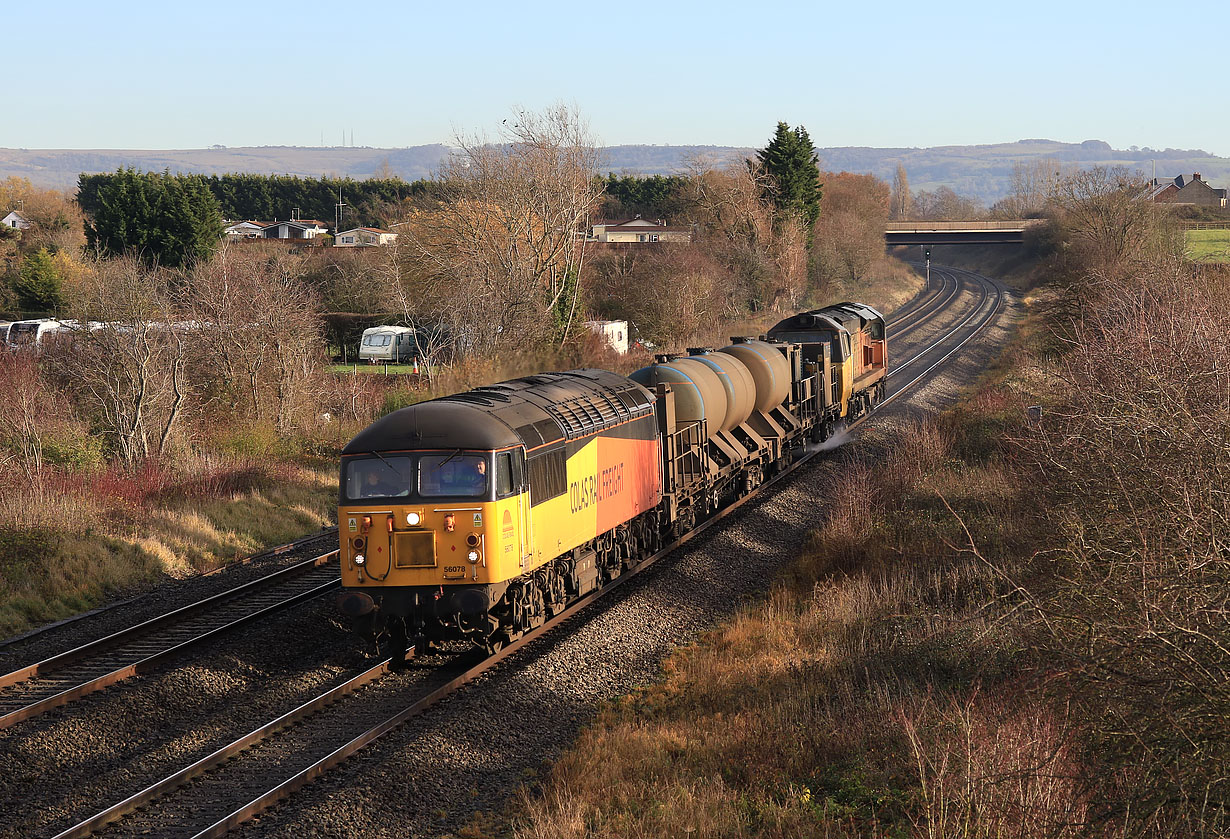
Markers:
point(1005, 625)
point(86, 537)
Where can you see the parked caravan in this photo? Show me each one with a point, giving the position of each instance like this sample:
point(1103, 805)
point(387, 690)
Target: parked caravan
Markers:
point(614, 331)
point(28, 334)
point(392, 344)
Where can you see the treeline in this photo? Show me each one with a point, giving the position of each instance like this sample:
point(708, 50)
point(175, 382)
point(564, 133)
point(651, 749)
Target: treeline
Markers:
point(653, 196)
point(371, 202)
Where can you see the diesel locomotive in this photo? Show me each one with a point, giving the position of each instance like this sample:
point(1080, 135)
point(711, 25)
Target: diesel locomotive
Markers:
point(480, 515)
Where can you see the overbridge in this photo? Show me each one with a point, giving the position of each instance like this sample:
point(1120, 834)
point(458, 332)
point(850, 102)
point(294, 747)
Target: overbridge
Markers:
point(957, 232)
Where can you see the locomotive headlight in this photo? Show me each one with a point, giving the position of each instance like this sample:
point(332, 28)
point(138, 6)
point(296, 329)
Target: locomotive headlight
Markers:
point(413, 519)
point(472, 556)
point(359, 559)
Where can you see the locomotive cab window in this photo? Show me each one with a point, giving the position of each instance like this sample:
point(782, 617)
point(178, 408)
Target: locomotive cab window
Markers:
point(508, 473)
point(379, 477)
point(453, 475)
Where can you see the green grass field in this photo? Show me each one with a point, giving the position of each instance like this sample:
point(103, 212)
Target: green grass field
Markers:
point(376, 369)
point(1209, 245)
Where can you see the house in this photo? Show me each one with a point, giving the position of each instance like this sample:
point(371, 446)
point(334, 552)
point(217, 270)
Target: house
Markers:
point(246, 229)
point(360, 237)
point(15, 220)
point(1194, 190)
point(639, 230)
point(300, 228)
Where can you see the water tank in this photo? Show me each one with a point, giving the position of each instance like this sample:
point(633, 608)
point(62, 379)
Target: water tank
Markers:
point(699, 393)
point(769, 368)
point(736, 379)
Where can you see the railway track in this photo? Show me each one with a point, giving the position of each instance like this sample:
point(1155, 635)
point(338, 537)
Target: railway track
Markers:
point(937, 300)
point(51, 628)
point(291, 751)
point(56, 681)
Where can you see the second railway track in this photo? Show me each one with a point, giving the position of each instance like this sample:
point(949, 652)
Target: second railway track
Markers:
point(53, 682)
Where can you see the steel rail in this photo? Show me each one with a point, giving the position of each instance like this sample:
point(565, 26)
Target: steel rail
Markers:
point(926, 351)
point(49, 667)
point(977, 330)
point(908, 309)
point(319, 767)
point(938, 305)
point(268, 552)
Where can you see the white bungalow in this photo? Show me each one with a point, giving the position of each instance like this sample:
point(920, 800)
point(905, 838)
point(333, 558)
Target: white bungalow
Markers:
point(360, 237)
point(300, 228)
point(246, 230)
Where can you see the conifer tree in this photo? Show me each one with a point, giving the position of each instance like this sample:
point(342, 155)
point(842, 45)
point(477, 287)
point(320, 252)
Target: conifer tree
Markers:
point(168, 219)
point(38, 285)
point(792, 164)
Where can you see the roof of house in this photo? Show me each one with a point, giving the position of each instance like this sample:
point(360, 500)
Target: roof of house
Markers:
point(629, 222)
point(369, 230)
point(304, 223)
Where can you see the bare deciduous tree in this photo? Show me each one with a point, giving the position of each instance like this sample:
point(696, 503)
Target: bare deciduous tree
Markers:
point(124, 361)
point(766, 255)
point(506, 237)
point(849, 234)
point(944, 204)
point(1110, 220)
point(1033, 183)
point(258, 331)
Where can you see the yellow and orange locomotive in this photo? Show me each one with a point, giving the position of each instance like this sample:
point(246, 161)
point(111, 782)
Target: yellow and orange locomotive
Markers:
point(478, 516)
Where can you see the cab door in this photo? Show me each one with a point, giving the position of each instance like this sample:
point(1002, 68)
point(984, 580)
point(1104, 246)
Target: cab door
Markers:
point(512, 488)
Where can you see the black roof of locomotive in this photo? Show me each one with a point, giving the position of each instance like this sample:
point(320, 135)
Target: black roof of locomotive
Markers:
point(532, 411)
point(847, 315)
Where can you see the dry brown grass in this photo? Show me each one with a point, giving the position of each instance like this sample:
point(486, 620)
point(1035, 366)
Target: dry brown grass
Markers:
point(69, 541)
point(1004, 628)
point(828, 710)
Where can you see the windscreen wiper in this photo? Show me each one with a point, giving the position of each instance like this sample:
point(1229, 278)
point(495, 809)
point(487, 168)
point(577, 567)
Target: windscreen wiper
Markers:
point(390, 465)
point(440, 465)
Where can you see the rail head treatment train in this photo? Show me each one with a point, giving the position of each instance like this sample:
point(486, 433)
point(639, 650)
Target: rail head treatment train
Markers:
point(478, 516)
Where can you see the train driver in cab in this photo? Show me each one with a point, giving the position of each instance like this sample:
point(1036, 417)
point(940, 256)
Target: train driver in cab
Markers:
point(463, 475)
point(380, 481)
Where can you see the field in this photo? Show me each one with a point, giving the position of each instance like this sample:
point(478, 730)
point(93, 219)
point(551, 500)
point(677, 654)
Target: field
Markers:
point(377, 369)
point(1209, 245)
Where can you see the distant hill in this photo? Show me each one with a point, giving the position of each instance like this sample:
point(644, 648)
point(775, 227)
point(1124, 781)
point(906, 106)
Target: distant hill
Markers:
point(983, 171)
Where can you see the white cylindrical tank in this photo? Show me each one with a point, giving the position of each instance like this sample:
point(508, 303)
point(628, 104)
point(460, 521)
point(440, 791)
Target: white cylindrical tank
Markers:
point(769, 369)
point(737, 381)
point(699, 394)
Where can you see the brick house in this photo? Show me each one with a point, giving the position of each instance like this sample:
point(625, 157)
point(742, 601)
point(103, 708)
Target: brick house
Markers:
point(1194, 190)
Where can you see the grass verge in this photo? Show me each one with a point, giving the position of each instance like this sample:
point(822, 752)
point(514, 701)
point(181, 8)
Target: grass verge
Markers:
point(76, 543)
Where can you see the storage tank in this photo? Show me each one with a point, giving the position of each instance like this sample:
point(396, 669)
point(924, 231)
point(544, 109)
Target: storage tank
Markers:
point(769, 369)
point(699, 393)
point(736, 379)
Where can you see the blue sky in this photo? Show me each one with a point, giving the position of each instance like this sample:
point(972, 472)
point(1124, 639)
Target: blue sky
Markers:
point(172, 75)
